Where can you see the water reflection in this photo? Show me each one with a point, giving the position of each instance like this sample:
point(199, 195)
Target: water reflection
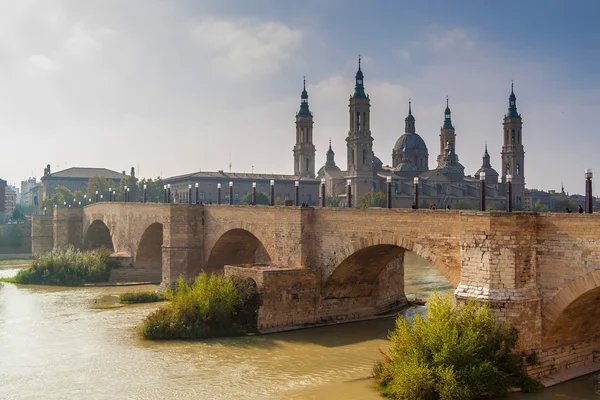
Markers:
point(54, 345)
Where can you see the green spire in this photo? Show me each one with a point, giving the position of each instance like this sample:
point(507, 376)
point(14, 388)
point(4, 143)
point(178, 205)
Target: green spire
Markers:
point(447, 117)
point(512, 103)
point(359, 89)
point(304, 102)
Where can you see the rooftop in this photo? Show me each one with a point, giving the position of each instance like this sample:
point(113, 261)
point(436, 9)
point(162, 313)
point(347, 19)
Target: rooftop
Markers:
point(85, 173)
point(236, 175)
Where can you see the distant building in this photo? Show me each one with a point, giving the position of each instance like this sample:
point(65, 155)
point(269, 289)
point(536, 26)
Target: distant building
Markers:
point(445, 185)
point(10, 202)
point(242, 185)
point(29, 192)
point(2, 200)
point(76, 178)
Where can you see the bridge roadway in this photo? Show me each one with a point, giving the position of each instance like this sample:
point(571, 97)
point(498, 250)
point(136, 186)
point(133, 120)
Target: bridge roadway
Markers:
point(541, 272)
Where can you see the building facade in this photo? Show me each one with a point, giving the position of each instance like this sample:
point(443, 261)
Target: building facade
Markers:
point(10, 202)
point(444, 186)
point(76, 178)
point(2, 200)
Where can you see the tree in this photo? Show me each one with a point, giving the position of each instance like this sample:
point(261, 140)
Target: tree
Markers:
point(562, 205)
point(539, 207)
point(332, 201)
point(261, 198)
point(61, 196)
point(154, 190)
point(373, 199)
point(458, 351)
point(490, 207)
point(100, 184)
point(18, 214)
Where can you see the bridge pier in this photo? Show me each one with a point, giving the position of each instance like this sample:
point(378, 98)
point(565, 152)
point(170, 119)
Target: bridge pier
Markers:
point(42, 234)
point(68, 228)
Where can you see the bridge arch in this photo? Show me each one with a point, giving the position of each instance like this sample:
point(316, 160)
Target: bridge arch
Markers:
point(573, 314)
point(236, 246)
point(149, 249)
point(389, 247)
point(98, 235)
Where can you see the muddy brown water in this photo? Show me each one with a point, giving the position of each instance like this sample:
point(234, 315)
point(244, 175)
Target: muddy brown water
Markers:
point(55, 345)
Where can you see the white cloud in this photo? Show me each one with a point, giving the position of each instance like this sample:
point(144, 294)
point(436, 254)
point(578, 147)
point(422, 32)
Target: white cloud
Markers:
point(43, 63)
point(450, 40)
point(244, 48)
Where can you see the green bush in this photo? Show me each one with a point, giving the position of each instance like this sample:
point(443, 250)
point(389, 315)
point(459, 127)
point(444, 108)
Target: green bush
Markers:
point(212, 306)
point(141, 297)
point(67, 268)
point(458, 352)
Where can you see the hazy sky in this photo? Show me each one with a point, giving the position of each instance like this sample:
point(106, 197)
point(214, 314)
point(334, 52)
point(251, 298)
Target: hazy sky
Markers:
point(179, 86)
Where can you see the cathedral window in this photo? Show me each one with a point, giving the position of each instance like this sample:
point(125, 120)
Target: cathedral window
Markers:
point(307, 164)
point(513, 136)
point(364, 156)
point(518, 168)
point(357, 121)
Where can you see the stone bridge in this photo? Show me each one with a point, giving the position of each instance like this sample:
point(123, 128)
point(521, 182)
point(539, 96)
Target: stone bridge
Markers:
point(541, 272)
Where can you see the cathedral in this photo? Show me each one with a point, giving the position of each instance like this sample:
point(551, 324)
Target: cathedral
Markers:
point(446, 185)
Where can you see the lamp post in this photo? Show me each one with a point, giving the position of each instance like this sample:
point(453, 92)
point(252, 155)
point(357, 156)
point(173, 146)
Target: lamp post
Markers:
point(44, 213)
point(168, 193)
point(218, 193)
point(323, 192)
point(253, 193)
point(145, 192)
point(110, 194)
point(482, 192)
point(588, 191)
point(164, 193)
point(230, 193)
point(389, 191)
point(197, 198)
point(416, 192)
point(349, 192)
point(297, 192)
point(65, 204)
point(272, 192)
point(509, 193)
point(190, 193)
point(101, 197)
point(114, 194)
point(84, 199)
point(96, 196)
point(126, 194)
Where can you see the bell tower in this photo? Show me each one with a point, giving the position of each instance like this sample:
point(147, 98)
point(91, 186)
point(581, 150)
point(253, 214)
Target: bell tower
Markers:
point(359, 141)
point(304, 150)
point(447, 136)
point(513, 153)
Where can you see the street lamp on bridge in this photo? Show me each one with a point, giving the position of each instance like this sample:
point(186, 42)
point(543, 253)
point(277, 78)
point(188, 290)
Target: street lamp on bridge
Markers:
point(297, 193)
point(272, 192)
point(389, 191)
point(482, 191)
point(253, 193)
point(230, 193)
point(349, 192)
point(323, 192)
point(218, 193)
point(416, 193)
point(509, 193)
point(588, 191)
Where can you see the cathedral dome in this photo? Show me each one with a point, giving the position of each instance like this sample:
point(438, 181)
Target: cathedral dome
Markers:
point(411, 141)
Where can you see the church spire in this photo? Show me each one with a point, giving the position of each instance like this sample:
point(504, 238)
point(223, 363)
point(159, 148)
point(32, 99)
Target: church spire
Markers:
point(359, 89)
point(330, 156)
point(486, 159)
point(409, 121)
point(304, 110)
point(447, 117)
point(512, 103)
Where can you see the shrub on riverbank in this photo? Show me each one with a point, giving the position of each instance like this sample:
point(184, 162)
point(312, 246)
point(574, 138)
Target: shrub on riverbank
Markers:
point(140, 297)
point(457, 353)
point(66, 268)
point(211, 306)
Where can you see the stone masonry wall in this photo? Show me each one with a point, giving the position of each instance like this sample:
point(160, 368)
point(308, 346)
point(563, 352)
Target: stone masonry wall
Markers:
point(42, 234)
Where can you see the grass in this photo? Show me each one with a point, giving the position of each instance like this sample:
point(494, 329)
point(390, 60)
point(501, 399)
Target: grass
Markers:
point(66, 268)
point(211, 306)
point(15, 263)
point(141, 297)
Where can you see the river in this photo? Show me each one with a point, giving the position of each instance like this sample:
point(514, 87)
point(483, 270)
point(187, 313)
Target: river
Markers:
point(55, 345)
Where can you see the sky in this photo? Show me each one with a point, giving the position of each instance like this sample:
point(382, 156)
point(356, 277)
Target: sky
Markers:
point(174, 87)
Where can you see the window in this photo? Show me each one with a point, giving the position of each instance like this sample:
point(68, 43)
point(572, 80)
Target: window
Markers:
point(357, 121)
point(307, 164)
point(351, 156)
point(518, 168)
point(364, 156)
point(513, 136)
